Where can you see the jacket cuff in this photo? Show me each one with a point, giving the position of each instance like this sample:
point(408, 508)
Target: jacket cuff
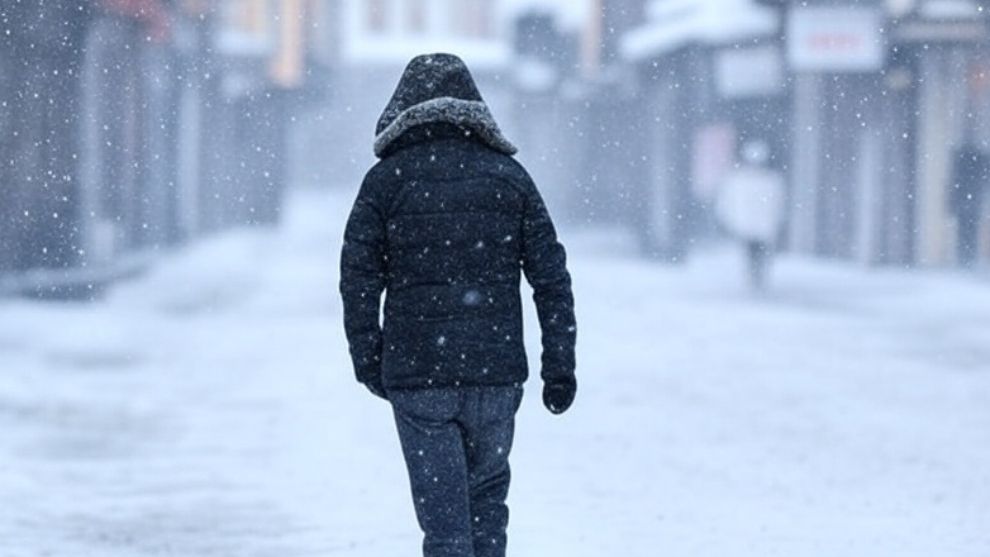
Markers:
point(368, 371)
point(558, 375)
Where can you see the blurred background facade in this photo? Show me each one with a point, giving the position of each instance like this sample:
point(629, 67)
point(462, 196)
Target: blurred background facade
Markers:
point(128, 126)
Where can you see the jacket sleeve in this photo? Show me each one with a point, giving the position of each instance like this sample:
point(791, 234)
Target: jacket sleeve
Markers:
point(544, 263)
point(362, 280)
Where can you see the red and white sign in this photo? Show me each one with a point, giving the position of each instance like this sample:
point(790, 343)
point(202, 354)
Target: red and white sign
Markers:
point(836, 39)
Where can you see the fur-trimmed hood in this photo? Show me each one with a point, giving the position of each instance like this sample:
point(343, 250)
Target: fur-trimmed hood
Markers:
point(438, 88)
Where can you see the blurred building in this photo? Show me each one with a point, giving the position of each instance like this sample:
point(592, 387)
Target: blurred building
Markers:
point(574, 115)
point(139, 124)
point(373, 41)
point(133, 125)
point(706, 76)
point(40, 60)
point(864, 102)
point(266, 59)
point(607, 118)
point(884, 94)
point(546, 120)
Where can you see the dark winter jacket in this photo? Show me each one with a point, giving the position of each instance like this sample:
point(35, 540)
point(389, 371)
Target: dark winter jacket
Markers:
point(445, 224)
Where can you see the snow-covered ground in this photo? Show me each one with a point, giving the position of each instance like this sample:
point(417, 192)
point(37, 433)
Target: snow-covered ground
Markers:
point(208, 409)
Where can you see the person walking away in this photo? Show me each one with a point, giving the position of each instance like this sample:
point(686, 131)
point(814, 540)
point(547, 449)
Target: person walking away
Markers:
point(750, 206)
point(445, 224)
point(971, 173)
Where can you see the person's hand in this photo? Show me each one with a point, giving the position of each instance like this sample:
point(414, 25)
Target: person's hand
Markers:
point(558, 394)
point(376, 387)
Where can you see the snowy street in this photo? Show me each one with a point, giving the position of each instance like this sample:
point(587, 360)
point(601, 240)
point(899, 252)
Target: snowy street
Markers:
point(208, 408)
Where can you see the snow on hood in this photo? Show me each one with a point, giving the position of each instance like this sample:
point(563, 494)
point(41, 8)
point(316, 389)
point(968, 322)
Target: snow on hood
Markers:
point(438, 88)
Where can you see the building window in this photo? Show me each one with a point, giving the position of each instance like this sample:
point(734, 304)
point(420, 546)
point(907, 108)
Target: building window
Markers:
point(377, 16)
point(473, 18)
point(416, 15)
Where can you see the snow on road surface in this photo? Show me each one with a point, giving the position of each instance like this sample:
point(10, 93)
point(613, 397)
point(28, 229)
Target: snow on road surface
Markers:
point(208, 409)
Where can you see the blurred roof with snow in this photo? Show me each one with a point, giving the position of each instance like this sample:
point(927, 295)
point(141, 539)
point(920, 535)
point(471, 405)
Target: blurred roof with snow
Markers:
point(672, 24)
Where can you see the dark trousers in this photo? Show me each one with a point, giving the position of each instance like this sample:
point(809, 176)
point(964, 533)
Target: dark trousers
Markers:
point(456, 444)
point(758, 256)
point(968, 237)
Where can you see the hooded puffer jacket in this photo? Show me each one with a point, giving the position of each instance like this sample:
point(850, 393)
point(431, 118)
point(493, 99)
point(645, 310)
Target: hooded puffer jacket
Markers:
point(445, 224)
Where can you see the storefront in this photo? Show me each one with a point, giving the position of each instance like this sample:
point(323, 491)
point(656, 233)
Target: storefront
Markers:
point(703, 85)
point(844, 173)
point(881, 104)
point(951, 80)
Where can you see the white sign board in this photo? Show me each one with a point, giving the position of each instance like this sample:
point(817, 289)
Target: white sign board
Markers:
point(836, 39)
point(749, 72)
